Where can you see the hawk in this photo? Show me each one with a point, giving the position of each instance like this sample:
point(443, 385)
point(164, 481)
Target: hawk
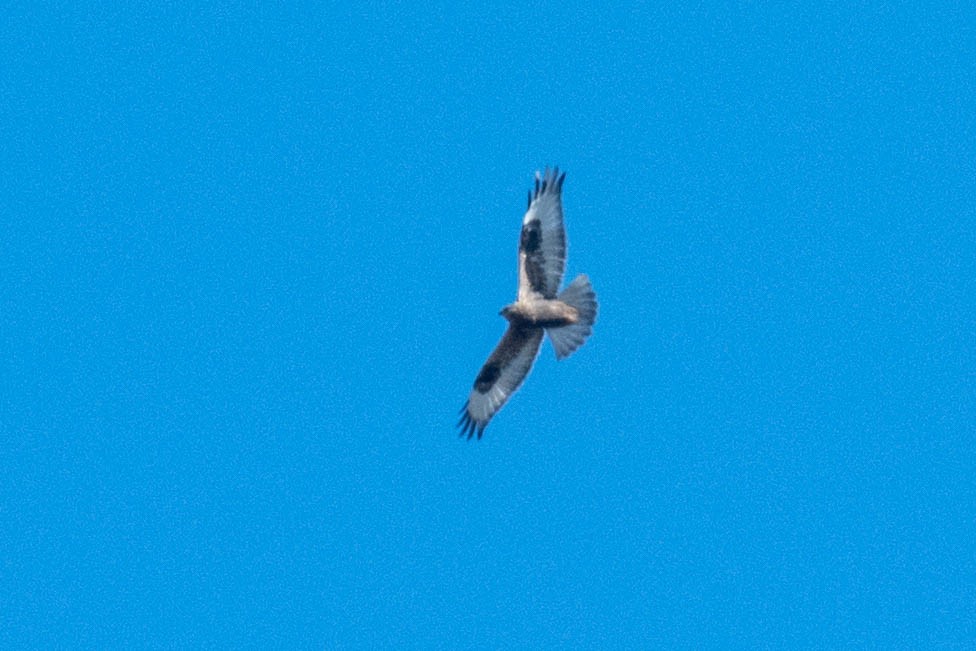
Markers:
point(568, 316)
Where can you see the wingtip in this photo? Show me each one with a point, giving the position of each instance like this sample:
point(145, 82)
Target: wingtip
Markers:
point(469, 426)
point(549, 179)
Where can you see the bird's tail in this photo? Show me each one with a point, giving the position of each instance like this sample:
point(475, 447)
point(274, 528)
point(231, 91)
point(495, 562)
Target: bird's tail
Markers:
point(580, 295)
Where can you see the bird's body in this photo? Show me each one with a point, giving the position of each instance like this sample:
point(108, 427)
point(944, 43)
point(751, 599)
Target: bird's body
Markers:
point(567, 316)
point(540, 313)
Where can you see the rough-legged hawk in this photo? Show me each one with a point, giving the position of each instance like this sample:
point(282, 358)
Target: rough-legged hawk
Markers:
point(568, 317)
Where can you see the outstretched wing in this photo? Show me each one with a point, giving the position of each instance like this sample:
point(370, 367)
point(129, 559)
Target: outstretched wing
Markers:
point(542, 245)
point(500, 377)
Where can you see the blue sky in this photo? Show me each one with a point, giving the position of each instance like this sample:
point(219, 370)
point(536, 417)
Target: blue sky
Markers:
point(253, 258)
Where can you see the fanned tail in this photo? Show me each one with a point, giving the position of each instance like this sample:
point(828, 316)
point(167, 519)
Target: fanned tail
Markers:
point(580, 295)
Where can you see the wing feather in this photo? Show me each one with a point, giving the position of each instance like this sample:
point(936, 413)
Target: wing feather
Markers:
point(542, 244)
point(500, 377)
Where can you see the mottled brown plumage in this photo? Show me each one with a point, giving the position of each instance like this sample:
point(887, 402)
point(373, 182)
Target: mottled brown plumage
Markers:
point(568, 317)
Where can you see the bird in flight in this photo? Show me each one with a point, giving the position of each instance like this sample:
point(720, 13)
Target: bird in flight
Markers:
point(568, 316)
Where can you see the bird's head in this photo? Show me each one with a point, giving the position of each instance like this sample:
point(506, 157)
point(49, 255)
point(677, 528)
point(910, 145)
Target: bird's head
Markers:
point(506, 312)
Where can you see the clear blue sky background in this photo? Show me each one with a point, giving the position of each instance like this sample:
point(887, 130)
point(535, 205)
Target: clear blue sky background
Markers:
point(252, 259)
